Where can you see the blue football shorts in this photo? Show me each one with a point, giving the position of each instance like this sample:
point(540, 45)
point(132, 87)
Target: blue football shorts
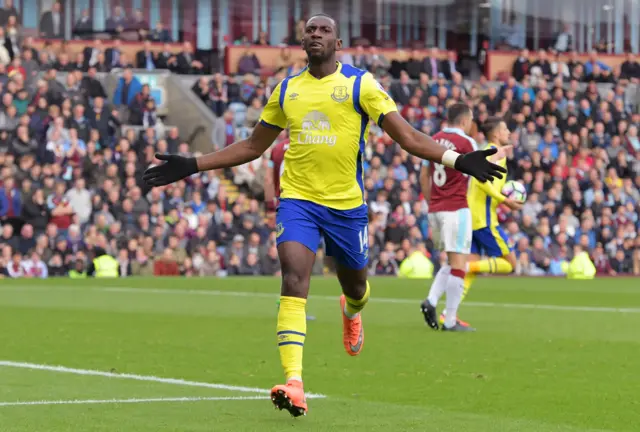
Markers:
point(345, 232)
point(491, 242)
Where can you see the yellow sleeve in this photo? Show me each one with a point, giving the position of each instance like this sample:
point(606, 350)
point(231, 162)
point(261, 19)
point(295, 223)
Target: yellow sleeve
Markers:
point(374, 100)
point(272, 115)
point(489, 189)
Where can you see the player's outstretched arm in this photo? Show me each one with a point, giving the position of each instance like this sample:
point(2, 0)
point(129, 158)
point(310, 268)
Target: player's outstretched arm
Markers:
point(421, 145)
point(177, 167)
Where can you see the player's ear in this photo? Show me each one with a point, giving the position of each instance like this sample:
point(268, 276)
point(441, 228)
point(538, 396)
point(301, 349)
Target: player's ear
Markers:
point(338, 44)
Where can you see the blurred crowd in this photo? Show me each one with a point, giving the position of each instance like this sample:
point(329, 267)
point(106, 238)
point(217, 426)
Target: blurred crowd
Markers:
point(71, 159)
point(575, 147)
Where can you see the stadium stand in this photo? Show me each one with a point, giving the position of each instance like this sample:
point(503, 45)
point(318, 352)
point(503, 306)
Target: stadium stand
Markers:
point(75, 139)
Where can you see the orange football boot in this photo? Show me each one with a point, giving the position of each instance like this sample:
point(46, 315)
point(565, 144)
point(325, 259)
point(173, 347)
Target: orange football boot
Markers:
point(290, 397)
point(352, 331)
point(462, 323)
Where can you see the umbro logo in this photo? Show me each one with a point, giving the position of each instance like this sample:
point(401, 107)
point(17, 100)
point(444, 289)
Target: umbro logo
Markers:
point(293, 96)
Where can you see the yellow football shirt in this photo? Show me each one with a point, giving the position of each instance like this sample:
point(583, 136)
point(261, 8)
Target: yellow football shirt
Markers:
point(484, 198)
point(328, 121)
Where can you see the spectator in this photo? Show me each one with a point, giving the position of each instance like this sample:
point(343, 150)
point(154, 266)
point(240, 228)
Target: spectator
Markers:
point(186, 62)
point(211, 265)
point(250, 266)
point(79, 199)
point(128, 87)
point(284, 60)
point(202, 90)
point(450, 66)
point(377, 63)
point(34, 267)
point(60, 208)
point(248, 63)
point(52, 23)
point(114, 56)
point(117, 22)
point(630, 69)
point(593, 61)
point(91, 53)
point(384, 266)
point(9, 10)
point(298, 32)
point(146, 58)
point(166, 265)
point(13, 38)
point(23, 144)
point(262, 39)
point(83, 27)
point(5, 58)
point(56, 266)
point(138, 104)
point(91, 87)
point(10, 200)
point(160, 34)
point(401, 92)
point(270, 264)
point(9, 240)
point(139, 24)
point(564, 40)
point(254, 112)
point(35, 211)
point(16, 267)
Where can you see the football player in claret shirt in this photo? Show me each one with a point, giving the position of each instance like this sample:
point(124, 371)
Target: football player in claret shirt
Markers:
point(445, 190)
point(327, 108)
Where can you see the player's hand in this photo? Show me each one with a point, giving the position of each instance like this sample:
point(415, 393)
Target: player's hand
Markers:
point(477, 164)
point(175, 168)
point(513, 205)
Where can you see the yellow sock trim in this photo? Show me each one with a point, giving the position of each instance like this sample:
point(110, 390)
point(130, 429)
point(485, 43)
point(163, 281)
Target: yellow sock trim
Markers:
point(291, 332)
point(355, 306)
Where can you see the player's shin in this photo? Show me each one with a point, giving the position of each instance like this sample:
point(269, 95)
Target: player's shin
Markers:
point(468, 281)
point(353, 306)
point(455, 288)
point(439, 285)
point(291, 332)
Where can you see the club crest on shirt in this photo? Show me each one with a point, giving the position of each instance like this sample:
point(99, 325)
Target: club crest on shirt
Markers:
point(340, 94)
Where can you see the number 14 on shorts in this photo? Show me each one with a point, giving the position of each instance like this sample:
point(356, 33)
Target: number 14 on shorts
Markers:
point(363, 235)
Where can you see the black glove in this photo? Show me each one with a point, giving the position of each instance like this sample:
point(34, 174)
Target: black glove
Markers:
point(175, 168)
point(477, 165)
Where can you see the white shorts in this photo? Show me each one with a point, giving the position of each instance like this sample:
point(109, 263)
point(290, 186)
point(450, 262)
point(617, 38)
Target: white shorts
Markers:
point(451, 230)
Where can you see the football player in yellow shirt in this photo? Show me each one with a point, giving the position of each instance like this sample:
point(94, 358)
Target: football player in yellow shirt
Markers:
point(327, 108)
point(489, 239)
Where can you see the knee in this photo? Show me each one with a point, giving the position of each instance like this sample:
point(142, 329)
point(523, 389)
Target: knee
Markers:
point(357, 288)
point(294, 285)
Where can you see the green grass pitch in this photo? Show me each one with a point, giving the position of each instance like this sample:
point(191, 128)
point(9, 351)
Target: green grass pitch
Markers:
point(150, 355)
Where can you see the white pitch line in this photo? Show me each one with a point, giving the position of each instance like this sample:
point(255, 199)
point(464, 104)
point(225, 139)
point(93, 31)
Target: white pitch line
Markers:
point(129, 401)
point(373, 299)
point(151, 378)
